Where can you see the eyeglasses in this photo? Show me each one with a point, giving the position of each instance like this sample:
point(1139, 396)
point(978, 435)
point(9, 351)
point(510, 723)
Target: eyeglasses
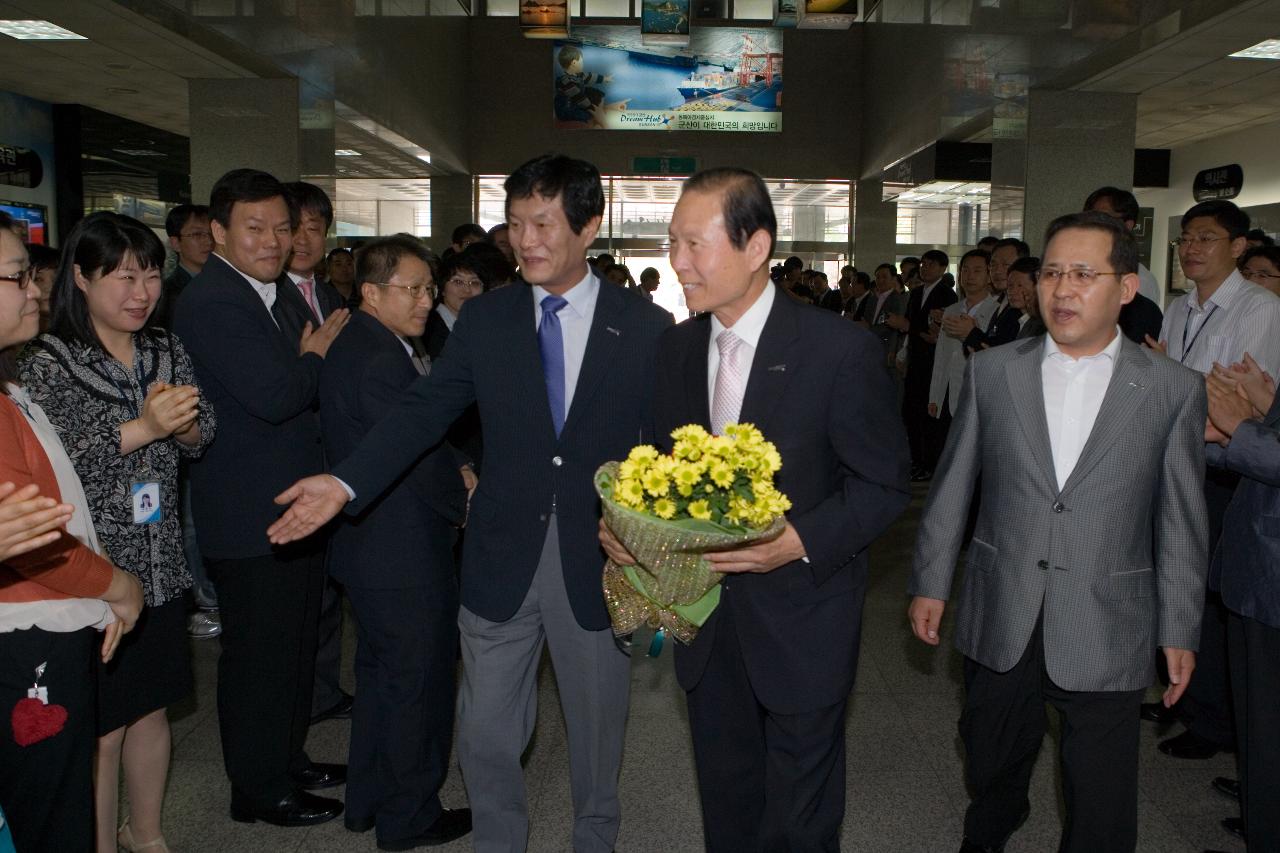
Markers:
point(415, 291)
point(470, 283)
point(22, 279)
point(1079, 276)
point(1201, 240)
point(1253, 275)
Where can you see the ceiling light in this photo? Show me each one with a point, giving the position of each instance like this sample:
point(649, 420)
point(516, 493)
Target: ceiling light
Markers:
point(38, 30)
point(1269, 49)
point(347, 152)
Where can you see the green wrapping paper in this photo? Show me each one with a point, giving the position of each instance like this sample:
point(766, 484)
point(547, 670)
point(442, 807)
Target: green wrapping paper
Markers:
point(671, 586)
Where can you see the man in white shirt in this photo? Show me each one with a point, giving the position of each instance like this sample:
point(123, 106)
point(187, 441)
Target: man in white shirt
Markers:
point(1220, 320)
point(1094, 443)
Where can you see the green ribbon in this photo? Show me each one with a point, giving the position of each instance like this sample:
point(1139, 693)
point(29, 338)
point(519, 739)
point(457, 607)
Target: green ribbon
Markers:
point(696, 612)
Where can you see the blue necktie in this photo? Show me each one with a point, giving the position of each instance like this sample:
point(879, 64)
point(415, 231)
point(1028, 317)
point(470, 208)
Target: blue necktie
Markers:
point(551, 343)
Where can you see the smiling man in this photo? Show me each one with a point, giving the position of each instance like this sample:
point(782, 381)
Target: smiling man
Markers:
point(1096, 443)
point(571, 392)
point(768, 676)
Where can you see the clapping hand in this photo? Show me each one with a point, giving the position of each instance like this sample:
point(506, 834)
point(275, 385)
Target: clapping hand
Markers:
point(169, 409)
point(1253, 383)
point(1159, 346)
point(958, 325)
point(319, 340)
point(1227, 408)
point(28, 521)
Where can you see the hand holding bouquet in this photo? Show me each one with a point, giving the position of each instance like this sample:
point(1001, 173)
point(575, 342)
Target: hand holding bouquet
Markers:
point(710, 493)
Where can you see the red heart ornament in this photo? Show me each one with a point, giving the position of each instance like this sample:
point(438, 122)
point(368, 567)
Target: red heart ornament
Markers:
point(33, 721)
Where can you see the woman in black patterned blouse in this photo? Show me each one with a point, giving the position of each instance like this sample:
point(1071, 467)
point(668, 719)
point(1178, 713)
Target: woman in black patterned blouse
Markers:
point(124, 397)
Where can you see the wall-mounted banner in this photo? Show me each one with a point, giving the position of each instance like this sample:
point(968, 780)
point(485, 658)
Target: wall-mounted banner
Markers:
point(544, 19)
point(664, 21)
point(726, 79)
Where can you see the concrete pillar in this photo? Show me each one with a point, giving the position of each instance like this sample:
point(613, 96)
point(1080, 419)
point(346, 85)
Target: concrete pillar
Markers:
point(875, 226)
point(1075, 142)
point(451, 206)
point(242, 124)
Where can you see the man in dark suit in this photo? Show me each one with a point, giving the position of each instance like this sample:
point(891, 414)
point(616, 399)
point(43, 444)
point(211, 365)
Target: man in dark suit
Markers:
point(921, 325)
point(572, 391)
point(395, 561)
point(262, 385)
point(187, 227)
point(769, 674)
point(306, 302)
point(1005, 323)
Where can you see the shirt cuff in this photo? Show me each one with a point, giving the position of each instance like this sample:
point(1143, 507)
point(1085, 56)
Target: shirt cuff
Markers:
point(351, 495)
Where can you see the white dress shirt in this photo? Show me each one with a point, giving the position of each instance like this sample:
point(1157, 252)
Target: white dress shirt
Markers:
point(450, 318)
point(1239, 317)
point(575, 327)
point(1073, 393)
point(748, 328)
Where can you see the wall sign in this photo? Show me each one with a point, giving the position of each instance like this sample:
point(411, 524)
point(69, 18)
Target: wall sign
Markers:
point(20, 167)
point(1218, 182)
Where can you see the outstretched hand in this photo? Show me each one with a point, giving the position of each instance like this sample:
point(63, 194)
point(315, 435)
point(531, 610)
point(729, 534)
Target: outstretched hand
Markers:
point(314, 500)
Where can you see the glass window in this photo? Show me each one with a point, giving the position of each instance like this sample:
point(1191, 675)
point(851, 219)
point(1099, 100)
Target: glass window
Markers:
point(608, 8)
point(370, 207)
point(755, 10)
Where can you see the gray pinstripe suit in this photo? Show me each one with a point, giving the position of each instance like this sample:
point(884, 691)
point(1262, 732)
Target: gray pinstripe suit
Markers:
point(1109, 593)
point(1067, 592)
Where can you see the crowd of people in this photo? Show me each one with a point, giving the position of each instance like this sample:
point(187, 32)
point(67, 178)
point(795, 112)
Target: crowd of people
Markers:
point(234, 449)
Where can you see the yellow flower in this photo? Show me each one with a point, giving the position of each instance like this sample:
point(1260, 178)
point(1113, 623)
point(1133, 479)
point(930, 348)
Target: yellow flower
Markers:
point(664, 508)
point(686, 475)
point(722, 474)
point(643, 453)
point(630, 469)
point(690, 442)
point(700, 510)
point(655, 483)
point(629, 493)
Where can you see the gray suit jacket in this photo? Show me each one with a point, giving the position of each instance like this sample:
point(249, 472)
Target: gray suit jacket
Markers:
point(1248, 555)
point(1084, 556)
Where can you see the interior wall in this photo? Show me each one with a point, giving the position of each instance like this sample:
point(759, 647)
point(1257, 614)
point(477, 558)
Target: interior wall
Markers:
point(510, 117)
point(1253, 148)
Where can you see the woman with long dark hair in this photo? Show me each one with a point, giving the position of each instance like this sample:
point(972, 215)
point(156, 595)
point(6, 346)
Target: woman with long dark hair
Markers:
point(123, 395)
point(53, 600)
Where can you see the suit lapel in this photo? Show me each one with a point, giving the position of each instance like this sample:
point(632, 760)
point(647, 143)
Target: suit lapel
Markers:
point(1027, 393)
point(1125, 392)
point(776, 359)
point(602, 345)
point(695, 373)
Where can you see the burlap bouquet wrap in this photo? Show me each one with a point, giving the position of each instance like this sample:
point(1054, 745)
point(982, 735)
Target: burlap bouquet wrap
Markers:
point(671, 586)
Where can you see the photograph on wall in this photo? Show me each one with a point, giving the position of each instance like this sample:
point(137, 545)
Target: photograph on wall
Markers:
point(664, 21)
point(544, 19)
point(725, 79)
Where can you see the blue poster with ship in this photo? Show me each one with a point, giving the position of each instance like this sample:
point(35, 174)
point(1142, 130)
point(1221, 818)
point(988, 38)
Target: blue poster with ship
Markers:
point(724, 79)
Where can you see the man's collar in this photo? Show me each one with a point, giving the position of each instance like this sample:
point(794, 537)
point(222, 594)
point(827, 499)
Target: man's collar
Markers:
point(1230, 288)
point(1111, 351)
point(242, 273)
point(750, 325)
point(581, 297)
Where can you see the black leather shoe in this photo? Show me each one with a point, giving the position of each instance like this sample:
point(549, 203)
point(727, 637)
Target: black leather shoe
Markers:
point(1156, 712)
point(358, 824)
point(1235, 826)
point(1189, 745)
point(340, 711)
point(297, 809)
point(452, 824)
point(320, 775)
point(1227, 787)
point(968, 846)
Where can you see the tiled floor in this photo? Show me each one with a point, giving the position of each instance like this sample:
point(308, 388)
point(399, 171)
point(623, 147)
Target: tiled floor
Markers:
point(905, 782)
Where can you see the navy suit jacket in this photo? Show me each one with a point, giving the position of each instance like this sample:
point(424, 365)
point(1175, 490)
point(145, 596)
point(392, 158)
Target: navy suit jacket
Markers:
point(1247, 562)
point(292, 311)
point(816, 390)
point(263, 393)
point(405, 537)
point(492, 359)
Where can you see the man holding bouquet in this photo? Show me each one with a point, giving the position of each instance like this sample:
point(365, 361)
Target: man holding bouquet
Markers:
point(769, 673)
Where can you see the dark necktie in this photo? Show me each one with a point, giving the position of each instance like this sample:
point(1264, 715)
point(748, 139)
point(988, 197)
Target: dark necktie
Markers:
point(551, 344)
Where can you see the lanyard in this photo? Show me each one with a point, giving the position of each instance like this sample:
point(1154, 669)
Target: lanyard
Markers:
point(1186, 349)
point(126, 394)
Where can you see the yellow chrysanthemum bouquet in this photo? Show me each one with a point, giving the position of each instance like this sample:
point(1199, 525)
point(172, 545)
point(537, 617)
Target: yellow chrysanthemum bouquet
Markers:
point(711, 493)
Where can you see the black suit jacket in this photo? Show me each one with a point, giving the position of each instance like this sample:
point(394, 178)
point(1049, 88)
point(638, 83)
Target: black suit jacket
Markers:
point(465, 434)
point(844, 467)
point(1002, 329)
point(492, 359)
point(404, 538)
point(292, 311)
point(919, 351)
point(263, 393)
point(1140, 318)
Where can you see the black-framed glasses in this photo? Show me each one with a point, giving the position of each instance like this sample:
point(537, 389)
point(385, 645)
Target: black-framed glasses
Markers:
point(1258, 275)
point(22, 279)
point(415, 291)
point(1080, 276)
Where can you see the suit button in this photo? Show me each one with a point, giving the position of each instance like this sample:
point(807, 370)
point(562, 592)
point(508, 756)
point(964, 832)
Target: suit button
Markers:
point(1044, 564)
point(557, 461)
point(1058, 507)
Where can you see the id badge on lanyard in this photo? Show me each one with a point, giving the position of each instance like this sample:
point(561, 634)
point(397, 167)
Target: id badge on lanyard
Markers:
point(145, 492)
